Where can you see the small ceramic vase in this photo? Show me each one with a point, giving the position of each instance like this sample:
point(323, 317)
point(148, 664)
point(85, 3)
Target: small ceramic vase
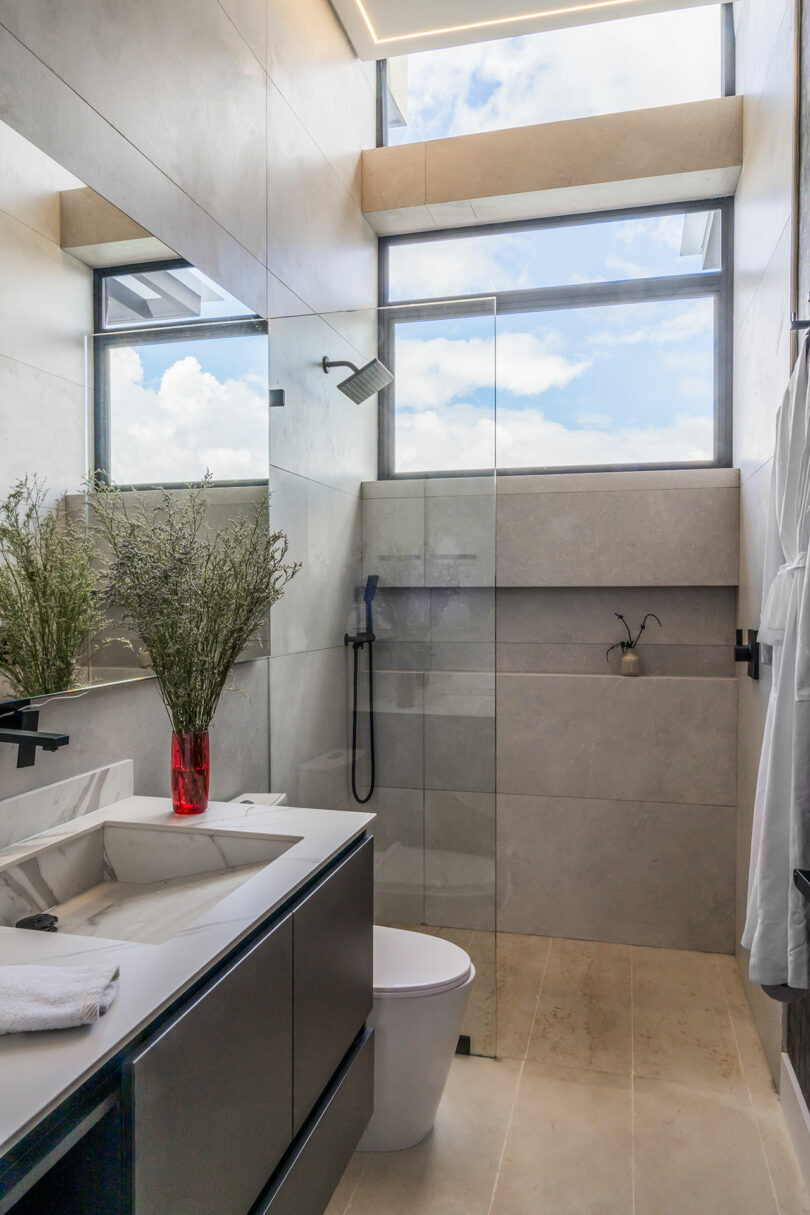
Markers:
point(631, 663)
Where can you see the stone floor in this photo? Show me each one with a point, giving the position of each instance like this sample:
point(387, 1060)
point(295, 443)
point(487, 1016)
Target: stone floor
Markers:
point(629, 1081)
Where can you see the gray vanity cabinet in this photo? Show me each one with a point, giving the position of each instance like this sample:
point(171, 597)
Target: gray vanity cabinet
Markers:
point(210, 1095)
point(332, 975)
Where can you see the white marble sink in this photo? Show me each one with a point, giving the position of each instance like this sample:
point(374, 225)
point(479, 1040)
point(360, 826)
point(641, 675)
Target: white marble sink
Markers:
point(139, 882)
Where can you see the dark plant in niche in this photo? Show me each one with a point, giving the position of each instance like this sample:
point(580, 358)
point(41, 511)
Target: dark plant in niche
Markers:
point(630, 642)
point(50, 603)
point(194, 595)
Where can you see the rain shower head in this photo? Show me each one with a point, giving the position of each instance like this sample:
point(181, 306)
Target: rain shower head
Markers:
point(364, 382)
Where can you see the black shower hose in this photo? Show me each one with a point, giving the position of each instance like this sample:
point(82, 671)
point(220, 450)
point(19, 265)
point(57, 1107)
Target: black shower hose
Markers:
point(357, 647)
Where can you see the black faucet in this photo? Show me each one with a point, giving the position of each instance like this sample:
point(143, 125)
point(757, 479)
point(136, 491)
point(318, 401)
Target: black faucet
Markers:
point(18, 726)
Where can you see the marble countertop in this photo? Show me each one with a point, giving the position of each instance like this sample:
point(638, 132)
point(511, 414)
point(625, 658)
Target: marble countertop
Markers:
point(39, 1070)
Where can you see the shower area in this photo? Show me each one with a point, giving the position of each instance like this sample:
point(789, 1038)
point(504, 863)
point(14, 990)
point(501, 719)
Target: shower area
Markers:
point(409, 562)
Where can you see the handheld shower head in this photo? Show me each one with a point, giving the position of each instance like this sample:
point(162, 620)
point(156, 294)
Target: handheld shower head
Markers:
point(364, 381)
point(371, 587)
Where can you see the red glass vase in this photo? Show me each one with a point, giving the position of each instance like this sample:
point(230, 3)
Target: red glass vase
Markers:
point(190, 772)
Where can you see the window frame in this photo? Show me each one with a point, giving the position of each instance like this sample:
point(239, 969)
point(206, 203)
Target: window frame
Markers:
point(718, 284)
point(105, 339)
point(728, 72)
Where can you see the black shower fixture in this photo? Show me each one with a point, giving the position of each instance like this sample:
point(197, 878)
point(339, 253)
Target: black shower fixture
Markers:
point(365, 381)
point(357, 641)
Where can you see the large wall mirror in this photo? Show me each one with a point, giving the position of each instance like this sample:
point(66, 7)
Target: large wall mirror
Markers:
point(116, 357)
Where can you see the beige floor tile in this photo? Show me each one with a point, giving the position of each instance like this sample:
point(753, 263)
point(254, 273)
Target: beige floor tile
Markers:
point(452, 1172)
point(583, 1014)
point(681, 1024)
point(521, 963)
point(569, 1149)
point(697, 1153)
point(754, 1064)
point(346, 1186)
point(787, 1178)
point(480, 1018)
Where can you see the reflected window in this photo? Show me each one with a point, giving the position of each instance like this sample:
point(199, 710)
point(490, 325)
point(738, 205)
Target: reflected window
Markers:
point(610, 346)
point(181, 379)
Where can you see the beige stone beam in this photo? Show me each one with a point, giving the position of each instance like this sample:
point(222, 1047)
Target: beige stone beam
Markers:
point(97, 233)
point(666, 154)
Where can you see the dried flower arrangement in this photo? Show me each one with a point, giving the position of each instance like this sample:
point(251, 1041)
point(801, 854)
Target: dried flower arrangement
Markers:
point(628, 645)
point(50, 602)
point(195, 596)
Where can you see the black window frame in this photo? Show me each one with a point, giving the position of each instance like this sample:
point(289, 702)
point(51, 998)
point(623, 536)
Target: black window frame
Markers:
point(106, 338)
point(728, 72)
point(718, 285)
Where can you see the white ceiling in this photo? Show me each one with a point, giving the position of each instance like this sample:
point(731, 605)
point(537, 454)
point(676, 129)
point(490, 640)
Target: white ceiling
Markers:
point(379, 29)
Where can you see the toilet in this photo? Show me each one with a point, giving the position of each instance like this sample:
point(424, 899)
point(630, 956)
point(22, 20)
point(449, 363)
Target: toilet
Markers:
point(421, 987)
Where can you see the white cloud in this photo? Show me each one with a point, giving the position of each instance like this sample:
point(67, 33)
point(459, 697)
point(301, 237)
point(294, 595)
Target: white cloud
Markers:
point(466, 436)
point(691, 321)
point(432, 372)
point(189, 422)
point(602, 68)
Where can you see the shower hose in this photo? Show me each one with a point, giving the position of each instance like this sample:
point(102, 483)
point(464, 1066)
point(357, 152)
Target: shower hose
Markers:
point(357, 647)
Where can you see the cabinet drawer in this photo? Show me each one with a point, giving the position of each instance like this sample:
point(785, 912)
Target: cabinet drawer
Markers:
point(332, 975)
point(307, 1181)
point(209, 1097)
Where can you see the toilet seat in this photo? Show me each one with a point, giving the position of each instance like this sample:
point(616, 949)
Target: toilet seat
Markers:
point(416, 964)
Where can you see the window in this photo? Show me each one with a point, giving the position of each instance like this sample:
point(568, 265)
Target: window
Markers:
point(600, 68)
point(180, 379)
point(609, 348)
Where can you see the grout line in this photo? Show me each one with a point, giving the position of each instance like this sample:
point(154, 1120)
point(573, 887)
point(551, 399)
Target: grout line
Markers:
point(510, 1120)
point(632, 1087)
point(776, 1204)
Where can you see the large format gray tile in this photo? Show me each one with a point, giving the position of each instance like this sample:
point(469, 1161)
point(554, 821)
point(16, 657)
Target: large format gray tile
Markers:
point(203, 138)
point(309, 727)
point(648, 739)
point(459, 861)
point(462, 614)
point(313, 221)
point(460, 540)
point(695, 615)
point(399, 873)
point(312, 64)
point(579, 658)
point(45, 432)
point(619, 538)
point(634, 872)
point(323, 529)
point(394, 540)
point(320, 433)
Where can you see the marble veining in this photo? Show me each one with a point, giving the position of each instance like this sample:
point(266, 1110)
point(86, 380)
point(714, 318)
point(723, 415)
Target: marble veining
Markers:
point(132, 881)
point(241, 886)
point(28, 814)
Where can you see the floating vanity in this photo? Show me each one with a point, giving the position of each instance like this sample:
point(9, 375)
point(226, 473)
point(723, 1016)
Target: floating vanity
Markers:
point(233, 1074)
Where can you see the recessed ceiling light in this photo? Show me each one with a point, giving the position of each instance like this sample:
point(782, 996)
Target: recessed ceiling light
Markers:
point(589, 6)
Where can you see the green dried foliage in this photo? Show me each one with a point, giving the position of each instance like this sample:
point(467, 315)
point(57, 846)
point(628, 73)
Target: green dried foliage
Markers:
point(50, 604)
point(195, 596)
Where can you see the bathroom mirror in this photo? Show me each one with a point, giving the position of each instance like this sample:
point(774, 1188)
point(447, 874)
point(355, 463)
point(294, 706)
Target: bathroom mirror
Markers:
point(116, 355)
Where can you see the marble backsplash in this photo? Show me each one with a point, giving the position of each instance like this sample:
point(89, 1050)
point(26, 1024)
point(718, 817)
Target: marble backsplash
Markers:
point(27, 814)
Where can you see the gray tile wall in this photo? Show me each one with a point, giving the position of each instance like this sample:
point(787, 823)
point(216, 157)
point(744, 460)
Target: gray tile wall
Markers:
point(256, 181)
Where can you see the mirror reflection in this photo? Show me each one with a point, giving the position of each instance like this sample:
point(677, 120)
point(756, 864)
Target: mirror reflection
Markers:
point(121, 360)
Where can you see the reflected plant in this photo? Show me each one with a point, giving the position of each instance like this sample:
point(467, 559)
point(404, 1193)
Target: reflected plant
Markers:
point(630, 642)
point(50, 604)
point(194, 595)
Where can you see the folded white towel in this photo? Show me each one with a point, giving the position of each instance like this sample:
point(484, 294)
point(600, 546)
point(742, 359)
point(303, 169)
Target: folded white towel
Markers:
point(55, 997)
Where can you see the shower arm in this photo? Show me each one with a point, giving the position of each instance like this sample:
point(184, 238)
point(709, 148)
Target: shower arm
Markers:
point(328, 363)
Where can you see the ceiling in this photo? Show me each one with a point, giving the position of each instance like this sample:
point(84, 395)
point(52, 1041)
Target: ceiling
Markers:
point(379, 29)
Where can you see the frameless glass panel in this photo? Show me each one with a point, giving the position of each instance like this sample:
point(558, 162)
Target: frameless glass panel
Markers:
point(444, 393)
point(180, 409)
point(165, 296)
point(603, 68)
point(608, 251)
point(624, 384)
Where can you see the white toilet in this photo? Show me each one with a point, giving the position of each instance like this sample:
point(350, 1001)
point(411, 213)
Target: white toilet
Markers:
point(421, 987)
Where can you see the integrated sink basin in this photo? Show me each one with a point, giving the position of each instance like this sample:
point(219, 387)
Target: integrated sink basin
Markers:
point(132, 881)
